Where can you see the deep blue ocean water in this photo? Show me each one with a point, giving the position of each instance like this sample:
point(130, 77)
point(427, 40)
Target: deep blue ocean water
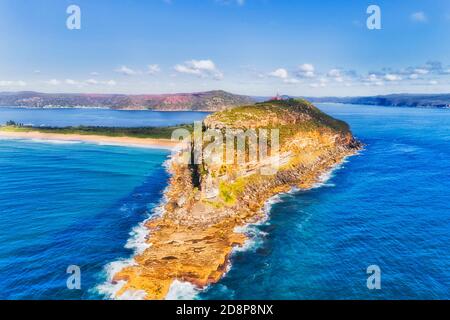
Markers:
point(63, 204)
point(388, 206)
point(70, 204)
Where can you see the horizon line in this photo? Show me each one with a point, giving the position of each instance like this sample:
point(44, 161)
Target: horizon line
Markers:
point(221, 90)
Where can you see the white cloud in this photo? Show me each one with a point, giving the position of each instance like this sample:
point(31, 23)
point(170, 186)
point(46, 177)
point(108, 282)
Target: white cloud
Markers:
point(291, 81)
point(421, 71)
point(94, 74)
point(127, 71)
point(306, 70)
point(414, 76)
point(321, 84)
point(372, 77)
point(110, 83)
point(9, 83)
point(336, 74)
point(200, 68)
point(283, 74)
point(433, 82)
point(419, 17)
point(71, 82)
point(96, 82)
point(88, 82)
point(279, 73)
point(54, 82)
point(153, 69)
point(91, 81)
point(392, 77)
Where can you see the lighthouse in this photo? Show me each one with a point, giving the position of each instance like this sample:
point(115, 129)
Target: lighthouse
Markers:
point(277, 97)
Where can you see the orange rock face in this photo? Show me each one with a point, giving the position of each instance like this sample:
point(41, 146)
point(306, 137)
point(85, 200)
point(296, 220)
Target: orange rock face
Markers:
point(193, 239)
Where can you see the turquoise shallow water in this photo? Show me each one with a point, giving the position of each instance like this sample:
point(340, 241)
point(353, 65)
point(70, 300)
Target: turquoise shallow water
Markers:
point(70, 204)
point(63, 204)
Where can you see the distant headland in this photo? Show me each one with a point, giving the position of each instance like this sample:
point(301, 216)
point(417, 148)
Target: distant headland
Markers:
point(199, 101)
point(393, 100)
point(208, 101)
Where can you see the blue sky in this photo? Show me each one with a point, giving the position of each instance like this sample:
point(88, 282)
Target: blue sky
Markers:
point(256, 47)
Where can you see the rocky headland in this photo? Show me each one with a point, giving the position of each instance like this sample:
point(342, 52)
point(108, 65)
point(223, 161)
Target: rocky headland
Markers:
point(192, 240)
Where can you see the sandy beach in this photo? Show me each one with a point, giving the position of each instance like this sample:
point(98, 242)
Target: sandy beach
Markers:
point(118, 141)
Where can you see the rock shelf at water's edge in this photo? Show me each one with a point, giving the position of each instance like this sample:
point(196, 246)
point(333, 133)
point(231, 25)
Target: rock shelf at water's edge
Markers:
point(193, 239)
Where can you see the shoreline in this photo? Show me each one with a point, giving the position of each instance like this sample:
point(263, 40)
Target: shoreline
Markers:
point(124, 141)
point(160, 229)
point(104, 108)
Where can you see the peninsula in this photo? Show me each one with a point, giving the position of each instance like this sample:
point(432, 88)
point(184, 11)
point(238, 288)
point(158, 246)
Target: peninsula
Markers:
point(192, 240)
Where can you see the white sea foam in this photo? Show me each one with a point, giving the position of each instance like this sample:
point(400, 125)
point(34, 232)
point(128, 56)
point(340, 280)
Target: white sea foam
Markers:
point(110, 288)
point(128, 145)
point(138, 243)
point(326, 176)
point(180, 290)
point(133, 295)
point(255, 235)
point(36, 140)
point(51, 141)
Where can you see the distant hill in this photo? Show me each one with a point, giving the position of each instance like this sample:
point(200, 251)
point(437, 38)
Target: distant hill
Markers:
point(201, 101)
point(397, 100)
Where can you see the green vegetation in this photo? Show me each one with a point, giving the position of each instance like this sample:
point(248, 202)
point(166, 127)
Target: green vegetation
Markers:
point(229, 192)
point(11, 123)
point(295, 114)
point(140, 132)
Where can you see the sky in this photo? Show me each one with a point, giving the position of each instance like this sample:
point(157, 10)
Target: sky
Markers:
point(253, 47)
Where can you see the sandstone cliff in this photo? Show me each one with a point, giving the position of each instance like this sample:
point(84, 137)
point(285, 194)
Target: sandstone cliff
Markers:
point(193, 239)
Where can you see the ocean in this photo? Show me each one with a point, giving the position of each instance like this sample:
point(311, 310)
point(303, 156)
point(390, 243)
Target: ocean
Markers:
point(388, 206)
point(79, 204)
